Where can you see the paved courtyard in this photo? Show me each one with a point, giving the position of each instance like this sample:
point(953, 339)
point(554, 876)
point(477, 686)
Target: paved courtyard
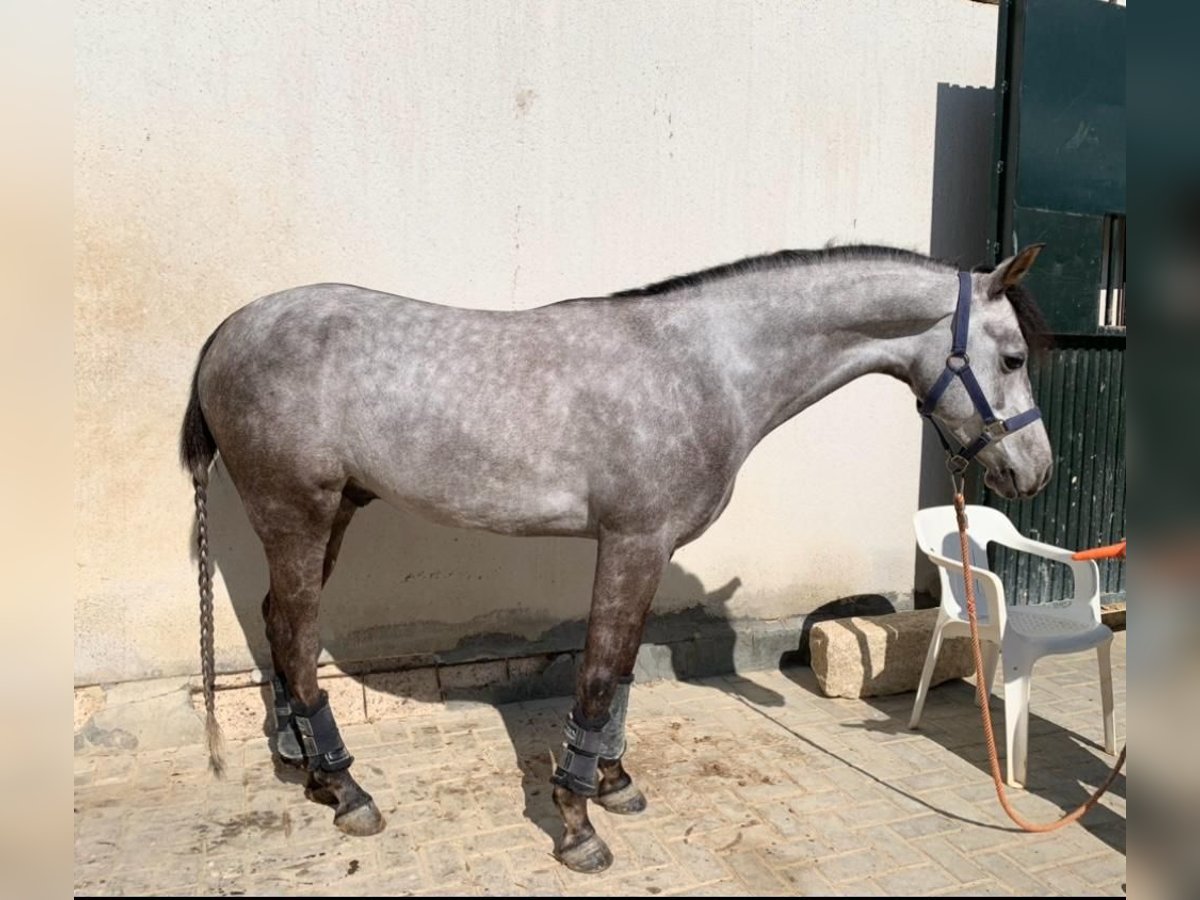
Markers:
point(757, 785)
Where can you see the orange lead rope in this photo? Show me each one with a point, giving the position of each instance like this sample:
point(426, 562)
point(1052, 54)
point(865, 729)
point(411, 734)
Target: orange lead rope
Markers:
point(980, 686)
point(1112, 551)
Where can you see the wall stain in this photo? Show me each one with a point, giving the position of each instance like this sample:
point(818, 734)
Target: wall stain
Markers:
point(523, 101)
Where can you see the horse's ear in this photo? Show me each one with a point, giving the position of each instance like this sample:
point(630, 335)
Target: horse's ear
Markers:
point(1012, 270)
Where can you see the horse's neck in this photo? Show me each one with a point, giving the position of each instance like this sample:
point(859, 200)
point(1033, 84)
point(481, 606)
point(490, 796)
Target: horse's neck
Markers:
point(795, 335)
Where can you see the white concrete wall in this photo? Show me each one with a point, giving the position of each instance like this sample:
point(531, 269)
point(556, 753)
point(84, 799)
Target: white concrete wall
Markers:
point(498, 155)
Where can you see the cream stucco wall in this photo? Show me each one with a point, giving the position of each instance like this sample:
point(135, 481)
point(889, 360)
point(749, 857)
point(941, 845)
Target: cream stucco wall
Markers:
point(497, 155)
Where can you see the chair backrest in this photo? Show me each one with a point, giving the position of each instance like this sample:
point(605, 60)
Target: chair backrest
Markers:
point(937, 532)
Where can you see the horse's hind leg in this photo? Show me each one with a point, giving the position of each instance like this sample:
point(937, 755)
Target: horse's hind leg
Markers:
point(286, 741)
point(298, 544)
point(628, 570)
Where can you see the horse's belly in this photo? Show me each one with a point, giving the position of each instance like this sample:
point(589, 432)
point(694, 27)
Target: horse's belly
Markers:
point(484, 503)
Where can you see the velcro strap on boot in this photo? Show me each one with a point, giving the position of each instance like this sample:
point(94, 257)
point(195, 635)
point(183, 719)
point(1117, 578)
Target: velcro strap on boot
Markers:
point(282, 703)
point(581, 755)
point(319, 736)
point(287, 741)
point(612, 738)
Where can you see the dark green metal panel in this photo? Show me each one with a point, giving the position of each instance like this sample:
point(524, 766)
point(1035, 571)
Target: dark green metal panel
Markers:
point(1066, 278)
point(1081, 391)
point(1061, 145)
point(1060, 169)
point(1070, 139)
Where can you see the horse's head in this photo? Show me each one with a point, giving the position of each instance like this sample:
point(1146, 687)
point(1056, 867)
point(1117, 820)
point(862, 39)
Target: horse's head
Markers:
point(1003, 323)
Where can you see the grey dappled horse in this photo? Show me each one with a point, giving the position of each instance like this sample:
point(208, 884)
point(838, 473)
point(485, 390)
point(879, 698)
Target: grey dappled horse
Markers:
point(622, 418)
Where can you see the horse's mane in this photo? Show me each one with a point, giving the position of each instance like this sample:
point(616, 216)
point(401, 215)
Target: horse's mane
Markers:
point(1029, 316)
point(781, 260)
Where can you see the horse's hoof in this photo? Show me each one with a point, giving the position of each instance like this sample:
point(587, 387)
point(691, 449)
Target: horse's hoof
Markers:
point(589, 856)
point(626, 801)
point(318, 792)
point(362, 821)
point(321, 795)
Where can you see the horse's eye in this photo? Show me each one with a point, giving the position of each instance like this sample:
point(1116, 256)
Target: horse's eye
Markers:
point(1012, 363)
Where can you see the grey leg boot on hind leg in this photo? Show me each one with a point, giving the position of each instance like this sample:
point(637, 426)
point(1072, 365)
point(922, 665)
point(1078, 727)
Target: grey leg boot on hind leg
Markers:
point(285, 742)
point(328, 763)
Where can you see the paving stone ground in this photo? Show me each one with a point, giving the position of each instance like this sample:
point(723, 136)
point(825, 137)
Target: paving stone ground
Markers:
point(757, 785)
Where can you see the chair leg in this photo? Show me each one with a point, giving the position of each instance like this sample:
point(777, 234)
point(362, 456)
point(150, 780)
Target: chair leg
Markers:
point(991, 656)
point(1104, 652)
point(935, 646)
point(1016, 719)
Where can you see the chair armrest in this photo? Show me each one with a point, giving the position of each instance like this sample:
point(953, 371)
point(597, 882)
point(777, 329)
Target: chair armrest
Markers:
point(1018, 541)
point(1085, 572)
point(993, 587)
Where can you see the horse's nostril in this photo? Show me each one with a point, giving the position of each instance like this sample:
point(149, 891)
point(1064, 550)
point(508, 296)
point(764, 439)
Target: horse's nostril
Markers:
point(1014, 484)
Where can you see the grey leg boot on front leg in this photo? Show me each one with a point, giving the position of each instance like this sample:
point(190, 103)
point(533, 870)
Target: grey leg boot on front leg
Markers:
point(628, 570)
point(575, 780)
point(618, 794)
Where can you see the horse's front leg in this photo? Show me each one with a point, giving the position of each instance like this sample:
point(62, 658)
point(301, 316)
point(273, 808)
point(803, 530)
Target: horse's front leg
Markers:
point(628, 569)
point(618, 794)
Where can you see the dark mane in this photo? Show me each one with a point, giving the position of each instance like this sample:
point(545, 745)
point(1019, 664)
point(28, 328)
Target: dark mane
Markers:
point(779, 260)
point(1030, 318)
point(1029, 315)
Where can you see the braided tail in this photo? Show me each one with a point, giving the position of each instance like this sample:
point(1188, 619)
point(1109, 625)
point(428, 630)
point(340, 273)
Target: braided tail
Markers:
point(197, 449)
point(207, 665)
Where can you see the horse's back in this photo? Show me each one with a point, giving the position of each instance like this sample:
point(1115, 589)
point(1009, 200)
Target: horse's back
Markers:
point(523, 422)
point(304, 319)
point(457, 413)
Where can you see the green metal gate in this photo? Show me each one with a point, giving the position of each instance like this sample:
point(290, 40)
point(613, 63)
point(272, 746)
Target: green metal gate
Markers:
point(1060, 179)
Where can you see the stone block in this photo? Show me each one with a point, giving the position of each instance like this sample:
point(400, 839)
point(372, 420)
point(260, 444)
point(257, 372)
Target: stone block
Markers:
point(141, 715)
point(478, 682)
point(537, 677)
point(88, 701)
point(876, 655)
point(472, 675)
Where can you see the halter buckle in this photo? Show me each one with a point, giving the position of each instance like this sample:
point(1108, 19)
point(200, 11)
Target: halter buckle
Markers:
point(957, 464)
point(996, 430)
point(956, 362)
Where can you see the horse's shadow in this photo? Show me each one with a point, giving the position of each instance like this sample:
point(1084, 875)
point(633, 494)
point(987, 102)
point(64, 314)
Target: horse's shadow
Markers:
point(533, 712)
point(388, 557)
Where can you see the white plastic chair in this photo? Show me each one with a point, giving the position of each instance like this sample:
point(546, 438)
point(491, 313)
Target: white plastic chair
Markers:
point(1020, 634)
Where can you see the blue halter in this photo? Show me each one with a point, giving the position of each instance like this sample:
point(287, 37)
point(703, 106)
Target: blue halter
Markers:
point(958, 365)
